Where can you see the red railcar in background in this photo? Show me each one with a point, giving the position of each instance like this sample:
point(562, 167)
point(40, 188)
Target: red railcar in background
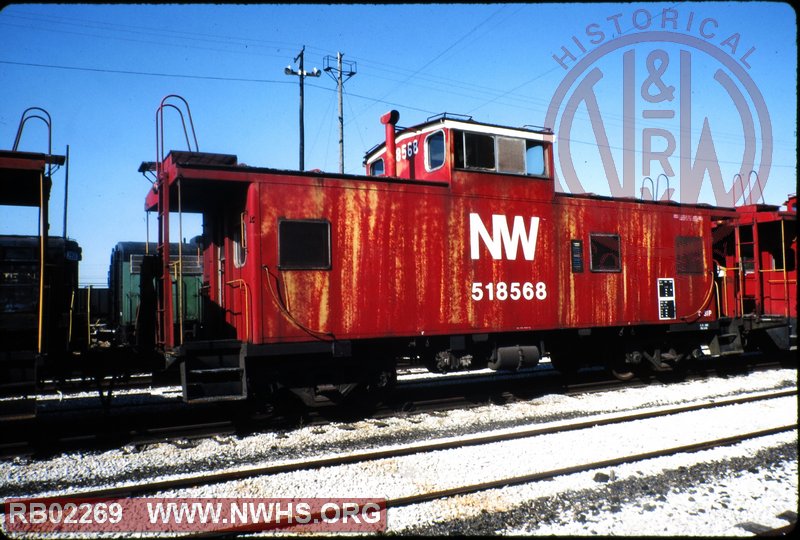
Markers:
point(756, 256)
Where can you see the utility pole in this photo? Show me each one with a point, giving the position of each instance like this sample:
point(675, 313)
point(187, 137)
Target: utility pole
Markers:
point(340, 72)
point(302, 74)
point(66, 192)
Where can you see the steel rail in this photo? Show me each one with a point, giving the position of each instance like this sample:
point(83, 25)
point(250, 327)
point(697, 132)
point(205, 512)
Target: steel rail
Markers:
point(475, 390)
point(547, 475)
point(528, 478)
point(207, 478)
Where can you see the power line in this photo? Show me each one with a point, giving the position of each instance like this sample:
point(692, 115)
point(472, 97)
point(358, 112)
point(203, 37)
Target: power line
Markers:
point(442, 53)
point(407, 75)
point(145, 73)
point(119, 30)
point(208, 77)
point(257, 81)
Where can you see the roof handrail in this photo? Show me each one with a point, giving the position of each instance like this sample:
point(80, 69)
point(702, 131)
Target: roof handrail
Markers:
point(742, 185)
point(160, 126)
point(534, 127)
point(668, 193)
point(453, 116)
point(47, 120)
point(760, 189)
point(733, 188)
point(641, 189)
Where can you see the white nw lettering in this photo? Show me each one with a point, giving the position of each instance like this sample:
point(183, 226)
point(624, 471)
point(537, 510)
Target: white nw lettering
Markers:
point(502, 239)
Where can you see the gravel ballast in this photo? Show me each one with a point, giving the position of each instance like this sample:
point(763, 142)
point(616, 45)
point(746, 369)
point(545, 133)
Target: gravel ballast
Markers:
point(709, 492)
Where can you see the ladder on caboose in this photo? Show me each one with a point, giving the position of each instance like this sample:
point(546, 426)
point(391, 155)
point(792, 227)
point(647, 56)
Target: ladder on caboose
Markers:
point(750, 291)
point(166, 335)
point(211, 370)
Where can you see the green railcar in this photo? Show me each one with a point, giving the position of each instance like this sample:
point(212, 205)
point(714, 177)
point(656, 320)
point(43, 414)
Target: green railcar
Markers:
point(125, 280)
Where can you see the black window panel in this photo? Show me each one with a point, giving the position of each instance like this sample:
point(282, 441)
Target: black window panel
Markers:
point(458, 143)
point(689, 255)
point(775, 239)
point(304, 245)
point(605, 252)
point(475, 151)
point(746, 233)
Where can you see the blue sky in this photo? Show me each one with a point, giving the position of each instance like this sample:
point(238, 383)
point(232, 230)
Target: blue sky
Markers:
point(102, 70)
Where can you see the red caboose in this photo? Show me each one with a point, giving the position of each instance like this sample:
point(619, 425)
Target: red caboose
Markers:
point(455, 249)
point(756, 256)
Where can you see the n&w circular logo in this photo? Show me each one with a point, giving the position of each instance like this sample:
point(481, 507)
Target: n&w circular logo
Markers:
point(666, 111)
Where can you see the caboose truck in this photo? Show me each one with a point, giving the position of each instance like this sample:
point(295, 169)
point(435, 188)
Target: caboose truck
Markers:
point(455, 248)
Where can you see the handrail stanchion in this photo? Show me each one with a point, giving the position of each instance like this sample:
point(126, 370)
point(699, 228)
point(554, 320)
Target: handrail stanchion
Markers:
point(641, 189)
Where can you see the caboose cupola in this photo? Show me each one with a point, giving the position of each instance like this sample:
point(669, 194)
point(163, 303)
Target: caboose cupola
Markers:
point(446, 143)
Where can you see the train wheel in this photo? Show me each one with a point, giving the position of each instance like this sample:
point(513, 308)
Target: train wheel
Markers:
point(621, 370)
point(622, 374)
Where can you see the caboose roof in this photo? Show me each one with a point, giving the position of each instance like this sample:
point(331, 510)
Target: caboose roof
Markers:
point(19, 176)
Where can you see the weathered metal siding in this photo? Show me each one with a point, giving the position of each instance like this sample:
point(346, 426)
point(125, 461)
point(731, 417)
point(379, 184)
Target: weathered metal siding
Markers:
point(647, 252)
point(401, 258)
point(414, 258)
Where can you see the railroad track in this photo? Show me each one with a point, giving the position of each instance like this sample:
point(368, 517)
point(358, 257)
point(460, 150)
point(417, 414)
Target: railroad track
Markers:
point(205, 478)
point(165, 418)
point(78, 425)
point(295, 477)
point(104, 384)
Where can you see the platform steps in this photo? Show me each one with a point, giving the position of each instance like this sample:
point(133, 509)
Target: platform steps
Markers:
point(213, 371)
point(729, 342)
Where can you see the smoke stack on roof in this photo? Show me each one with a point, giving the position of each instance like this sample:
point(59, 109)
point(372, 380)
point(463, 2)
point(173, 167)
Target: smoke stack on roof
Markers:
point(390, 120)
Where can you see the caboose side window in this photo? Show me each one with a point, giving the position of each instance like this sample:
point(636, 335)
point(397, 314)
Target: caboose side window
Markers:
point(497, 153)
point(434, 150)
point(605, 252)
point(376, 168)
point(475, 151)
point(304, 244)
point(510, 155)
point(240, 243)
point(689, 255)
point(534, 159)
